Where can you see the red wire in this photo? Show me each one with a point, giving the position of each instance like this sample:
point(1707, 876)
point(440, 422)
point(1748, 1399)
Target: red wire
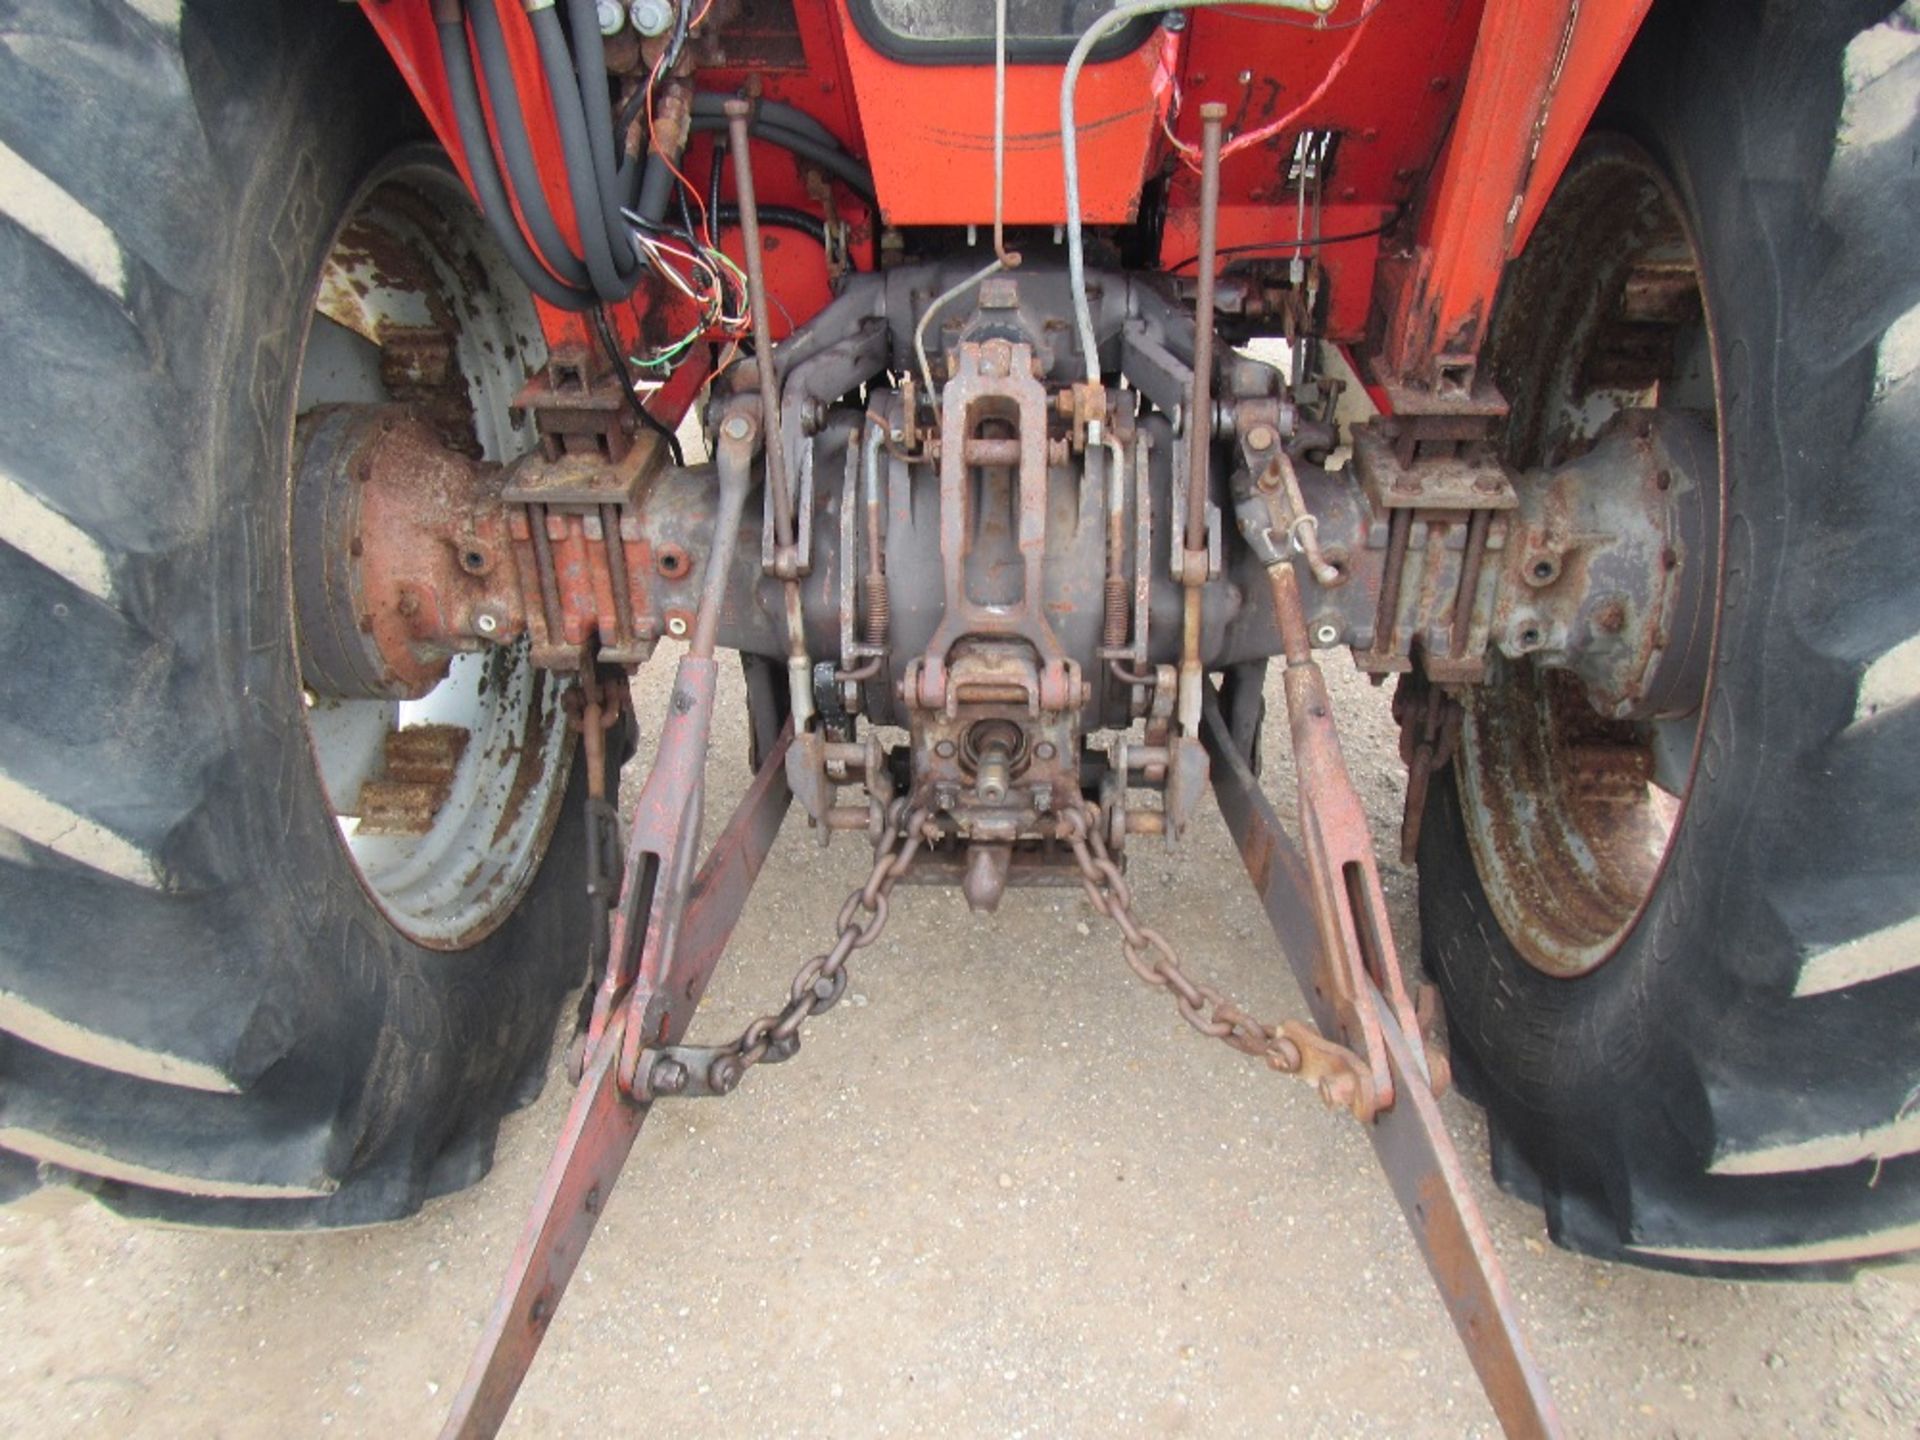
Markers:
point(699, 202)
point(1269, 130)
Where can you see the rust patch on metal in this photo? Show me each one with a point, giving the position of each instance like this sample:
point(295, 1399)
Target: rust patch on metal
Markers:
point(531, 746)
point(1566, 829)
point(419, 765)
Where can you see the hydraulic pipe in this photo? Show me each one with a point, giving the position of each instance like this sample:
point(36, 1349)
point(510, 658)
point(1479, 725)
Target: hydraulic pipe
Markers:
point(611, 279)
point(1001, 253)
point(488, 186)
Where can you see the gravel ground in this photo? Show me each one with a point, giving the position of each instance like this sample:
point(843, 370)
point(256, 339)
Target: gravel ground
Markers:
point(1002, 1192)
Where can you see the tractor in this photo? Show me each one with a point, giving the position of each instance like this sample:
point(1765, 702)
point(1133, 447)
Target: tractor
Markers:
point(1008, 387)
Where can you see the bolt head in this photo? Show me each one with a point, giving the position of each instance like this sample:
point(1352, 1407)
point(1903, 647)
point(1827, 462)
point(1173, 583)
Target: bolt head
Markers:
point(724, 1074)
point(669, 1076)
point(1337, 1091)
point(651, 17)
point(610, 15)
point(1260, 437)
point(736, 428)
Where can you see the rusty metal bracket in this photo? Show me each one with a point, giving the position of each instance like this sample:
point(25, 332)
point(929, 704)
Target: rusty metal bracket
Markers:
point(1409, 1136)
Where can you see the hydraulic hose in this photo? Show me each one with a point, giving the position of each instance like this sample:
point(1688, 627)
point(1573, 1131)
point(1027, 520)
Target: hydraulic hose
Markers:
point(609, 282)
point(784, 216)
point(774, 112)
point(511, 127)
point(487, 185)
point(836, 162)
point(657, 182)
point(590, 68)
point(656, 188)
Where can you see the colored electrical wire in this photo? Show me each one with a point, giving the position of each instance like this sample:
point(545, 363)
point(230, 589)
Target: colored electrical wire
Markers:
point(1288, 120)
point(610, 339)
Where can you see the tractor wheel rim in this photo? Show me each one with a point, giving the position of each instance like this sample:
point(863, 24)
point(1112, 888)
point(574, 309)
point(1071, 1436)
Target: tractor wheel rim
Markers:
point(412, 255)
point(1570, 855)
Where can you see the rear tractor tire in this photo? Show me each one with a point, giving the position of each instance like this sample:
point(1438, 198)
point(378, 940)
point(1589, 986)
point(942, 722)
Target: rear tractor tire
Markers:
point(1691, 1006)
point(223, 998)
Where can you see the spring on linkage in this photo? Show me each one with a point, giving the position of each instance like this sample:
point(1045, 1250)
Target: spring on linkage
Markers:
point(1114, 632)
point(879, 609)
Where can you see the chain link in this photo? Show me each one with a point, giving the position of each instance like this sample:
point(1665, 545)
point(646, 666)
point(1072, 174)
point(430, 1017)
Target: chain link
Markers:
point(1152, 957)
point(819, 984)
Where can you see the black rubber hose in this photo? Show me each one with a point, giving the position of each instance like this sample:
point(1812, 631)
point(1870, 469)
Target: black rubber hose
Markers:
point(577, 150)
point(774, 112)
point(630, 112)
point(784, 216)
point(487, 186)
point(656, 188)
point(511, 127)
point(590, 71)
point(655, 183)
point(835, 162)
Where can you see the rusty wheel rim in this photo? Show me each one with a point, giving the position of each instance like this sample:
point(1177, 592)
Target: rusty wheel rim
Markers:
point(1572, 815)
point(444, 803)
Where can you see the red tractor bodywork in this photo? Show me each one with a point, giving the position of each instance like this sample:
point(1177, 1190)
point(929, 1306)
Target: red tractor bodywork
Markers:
point(1454, 120)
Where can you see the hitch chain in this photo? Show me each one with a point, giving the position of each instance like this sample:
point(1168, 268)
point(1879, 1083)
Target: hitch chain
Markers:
point(697, 1071)
point(1291, 1047)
